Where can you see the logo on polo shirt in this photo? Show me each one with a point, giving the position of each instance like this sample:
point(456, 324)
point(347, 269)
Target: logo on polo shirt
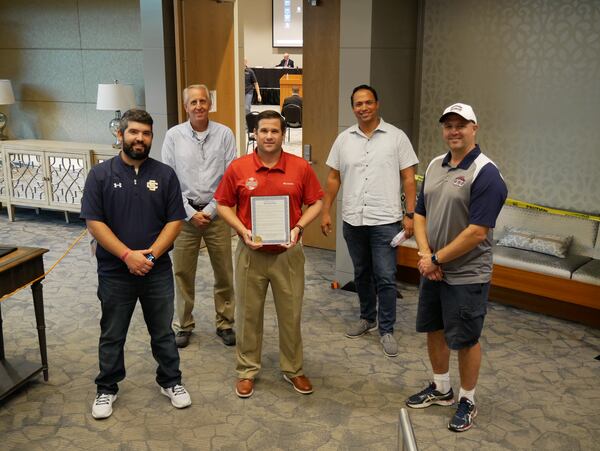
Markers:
point(459, 181)
point(117, 185)
point(288, 183)
point(251, 183)
point(152, 185)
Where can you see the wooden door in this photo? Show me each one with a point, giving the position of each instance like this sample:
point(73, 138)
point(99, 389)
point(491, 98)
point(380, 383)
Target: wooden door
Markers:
point(321, 56)
point(204, 41)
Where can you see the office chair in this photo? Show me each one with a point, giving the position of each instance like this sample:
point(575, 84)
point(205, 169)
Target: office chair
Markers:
point(251, 120)
point(293, 117)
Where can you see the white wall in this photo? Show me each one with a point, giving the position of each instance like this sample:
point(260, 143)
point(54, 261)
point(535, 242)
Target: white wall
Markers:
point(256, 18)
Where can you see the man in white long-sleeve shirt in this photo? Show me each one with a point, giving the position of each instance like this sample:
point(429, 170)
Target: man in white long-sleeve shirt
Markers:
point(200, 150)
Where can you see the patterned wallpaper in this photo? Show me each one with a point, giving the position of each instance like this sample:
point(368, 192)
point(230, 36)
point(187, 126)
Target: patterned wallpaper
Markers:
point(531, 70)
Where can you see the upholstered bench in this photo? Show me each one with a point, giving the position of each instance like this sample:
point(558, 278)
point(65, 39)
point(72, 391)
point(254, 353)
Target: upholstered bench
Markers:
point(567, 286)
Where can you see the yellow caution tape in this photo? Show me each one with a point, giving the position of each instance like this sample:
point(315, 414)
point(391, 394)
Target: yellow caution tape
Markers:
point(530, 206)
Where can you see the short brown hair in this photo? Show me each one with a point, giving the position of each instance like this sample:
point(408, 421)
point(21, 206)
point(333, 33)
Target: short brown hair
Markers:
point(141, 116)
point(271, 114)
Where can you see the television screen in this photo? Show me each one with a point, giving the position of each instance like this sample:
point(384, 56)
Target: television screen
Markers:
point(287, 23)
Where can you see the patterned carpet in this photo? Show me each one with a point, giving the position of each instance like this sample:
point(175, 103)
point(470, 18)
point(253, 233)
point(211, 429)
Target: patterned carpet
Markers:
point(538, 387)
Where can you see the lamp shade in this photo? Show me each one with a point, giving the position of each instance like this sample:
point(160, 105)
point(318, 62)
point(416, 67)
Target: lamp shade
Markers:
point(7, 97)
point(115, 96)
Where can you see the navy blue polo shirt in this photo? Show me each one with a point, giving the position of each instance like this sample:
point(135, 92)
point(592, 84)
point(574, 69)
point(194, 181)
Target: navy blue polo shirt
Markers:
point(136, 207)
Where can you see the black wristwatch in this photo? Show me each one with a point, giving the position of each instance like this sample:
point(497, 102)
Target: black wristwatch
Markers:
point(300, 230)
point(435, 260)
point(410, 215)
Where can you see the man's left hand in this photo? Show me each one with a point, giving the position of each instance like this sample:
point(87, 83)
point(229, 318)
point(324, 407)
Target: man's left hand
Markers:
point(293, 238)
point(408, 226)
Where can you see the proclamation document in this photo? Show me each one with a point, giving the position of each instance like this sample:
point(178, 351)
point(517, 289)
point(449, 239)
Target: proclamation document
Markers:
point(270, 219)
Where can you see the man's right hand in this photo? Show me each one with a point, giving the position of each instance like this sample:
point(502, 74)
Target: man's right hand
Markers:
point(247, 235)
point(200, 219)
point(137, 263)
point(326, 224)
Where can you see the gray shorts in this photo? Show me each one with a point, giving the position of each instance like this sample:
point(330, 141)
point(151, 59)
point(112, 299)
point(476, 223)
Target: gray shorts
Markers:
point(458, 310)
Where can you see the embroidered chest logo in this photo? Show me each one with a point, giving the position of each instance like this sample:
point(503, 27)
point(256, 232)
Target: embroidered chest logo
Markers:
point(459, 181)
point(152, 185)
point(288, 183)
point(251, 183)
point(117, 185)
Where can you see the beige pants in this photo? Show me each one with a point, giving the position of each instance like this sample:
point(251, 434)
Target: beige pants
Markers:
point(254, 271)
point(217, 236)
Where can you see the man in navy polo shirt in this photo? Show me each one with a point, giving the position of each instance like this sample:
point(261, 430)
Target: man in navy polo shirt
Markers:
point(460, 199)
point(133, 208)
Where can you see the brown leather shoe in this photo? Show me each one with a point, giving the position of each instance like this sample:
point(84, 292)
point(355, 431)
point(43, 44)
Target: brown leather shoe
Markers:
point(301, 384)
point(244, 388)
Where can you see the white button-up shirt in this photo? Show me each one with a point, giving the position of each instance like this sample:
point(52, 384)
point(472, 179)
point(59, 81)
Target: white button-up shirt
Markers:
point(370, 173)
point(199, 160)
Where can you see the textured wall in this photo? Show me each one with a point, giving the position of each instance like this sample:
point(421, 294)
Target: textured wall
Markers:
point(56, 52)
point(531, 70)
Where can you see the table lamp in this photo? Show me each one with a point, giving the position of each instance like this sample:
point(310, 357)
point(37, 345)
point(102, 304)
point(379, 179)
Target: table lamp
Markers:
point(115, 97)
point(7, 97)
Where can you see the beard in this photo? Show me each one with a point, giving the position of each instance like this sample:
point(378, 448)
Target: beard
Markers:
point(128, 149)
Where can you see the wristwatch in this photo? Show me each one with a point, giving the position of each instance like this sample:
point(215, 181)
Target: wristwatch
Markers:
point(300, 230)
point(410, 215)
point(435, 260)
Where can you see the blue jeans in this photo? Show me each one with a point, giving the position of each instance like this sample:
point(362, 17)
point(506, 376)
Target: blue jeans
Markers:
point(118, 297)
point(374, 263)
point(248, 103)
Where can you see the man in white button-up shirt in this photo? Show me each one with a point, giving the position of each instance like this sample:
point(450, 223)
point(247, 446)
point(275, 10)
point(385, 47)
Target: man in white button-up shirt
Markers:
point(372, 161)
point(200, 150)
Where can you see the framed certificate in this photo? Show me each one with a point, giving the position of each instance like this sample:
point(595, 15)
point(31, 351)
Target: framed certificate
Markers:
point(270, 219)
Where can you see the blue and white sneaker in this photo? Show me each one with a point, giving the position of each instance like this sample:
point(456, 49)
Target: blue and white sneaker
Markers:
point(430, 396)
point(463, 418)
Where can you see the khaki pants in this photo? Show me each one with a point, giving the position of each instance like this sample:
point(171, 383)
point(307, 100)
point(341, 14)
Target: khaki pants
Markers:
point(217, 236)
point(254, 272)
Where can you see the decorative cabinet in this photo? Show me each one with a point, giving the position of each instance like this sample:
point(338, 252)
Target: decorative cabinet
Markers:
point(47, 174)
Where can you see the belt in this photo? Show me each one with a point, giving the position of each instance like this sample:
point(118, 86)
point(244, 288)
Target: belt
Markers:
point(197, 207)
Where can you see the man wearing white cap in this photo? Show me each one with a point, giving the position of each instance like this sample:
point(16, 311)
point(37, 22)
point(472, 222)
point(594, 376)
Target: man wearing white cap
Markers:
point(460, 199)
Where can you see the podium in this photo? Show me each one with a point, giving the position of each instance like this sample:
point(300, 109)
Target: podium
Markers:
point(286, 83)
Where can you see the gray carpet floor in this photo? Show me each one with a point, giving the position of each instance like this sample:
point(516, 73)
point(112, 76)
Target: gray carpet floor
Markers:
point(538, 387)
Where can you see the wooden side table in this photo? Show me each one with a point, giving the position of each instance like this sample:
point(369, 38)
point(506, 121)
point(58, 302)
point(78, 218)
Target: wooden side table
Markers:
point(16, 269)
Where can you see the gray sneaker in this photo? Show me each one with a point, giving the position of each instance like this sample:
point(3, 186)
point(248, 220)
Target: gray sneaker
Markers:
point(390, 347)
point(361, 328)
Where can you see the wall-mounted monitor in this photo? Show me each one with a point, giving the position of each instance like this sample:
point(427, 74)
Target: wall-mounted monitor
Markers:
point(287, 23)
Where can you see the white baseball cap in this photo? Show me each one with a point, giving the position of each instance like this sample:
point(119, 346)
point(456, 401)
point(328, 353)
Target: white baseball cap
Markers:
point(462, 109)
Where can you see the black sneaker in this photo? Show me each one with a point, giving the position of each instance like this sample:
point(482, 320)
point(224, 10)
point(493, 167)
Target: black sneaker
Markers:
point(430, 396)
point(227, 335)
point(182, 338)
point(463, 418)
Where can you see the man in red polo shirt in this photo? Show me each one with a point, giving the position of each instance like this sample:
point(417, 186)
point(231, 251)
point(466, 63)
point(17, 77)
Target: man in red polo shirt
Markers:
point(269, 172)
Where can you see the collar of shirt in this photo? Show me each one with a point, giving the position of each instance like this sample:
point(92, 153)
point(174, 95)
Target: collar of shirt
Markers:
point(382, 127)
point(194, 134)
point(280, 166)
point(124, 167)
point(466, 161)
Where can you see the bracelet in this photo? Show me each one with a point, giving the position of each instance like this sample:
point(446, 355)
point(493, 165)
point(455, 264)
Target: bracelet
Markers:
point(125, 254)
point(300, 228)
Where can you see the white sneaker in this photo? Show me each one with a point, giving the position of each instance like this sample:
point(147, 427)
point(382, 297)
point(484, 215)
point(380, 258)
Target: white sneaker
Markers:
point(102, 407)
point(179, 396)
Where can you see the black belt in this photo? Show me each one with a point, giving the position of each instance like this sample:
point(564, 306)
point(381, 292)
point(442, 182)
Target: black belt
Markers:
point(195, 206)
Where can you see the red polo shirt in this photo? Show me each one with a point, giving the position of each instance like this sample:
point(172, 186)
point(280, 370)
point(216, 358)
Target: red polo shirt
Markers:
point(248, 176)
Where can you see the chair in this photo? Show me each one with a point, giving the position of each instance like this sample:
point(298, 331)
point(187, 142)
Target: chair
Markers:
point(251, 120)
point(293, 117)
